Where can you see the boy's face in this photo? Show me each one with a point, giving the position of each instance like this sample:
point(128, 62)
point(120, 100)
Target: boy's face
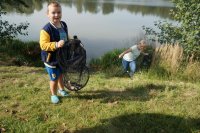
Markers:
point(54, 14)
point(142, 45)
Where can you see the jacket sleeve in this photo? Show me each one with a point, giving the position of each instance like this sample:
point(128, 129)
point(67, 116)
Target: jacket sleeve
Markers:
point(45, 43)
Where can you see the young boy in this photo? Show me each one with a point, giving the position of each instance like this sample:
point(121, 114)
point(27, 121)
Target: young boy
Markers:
point(130, 55)
point(53, 36)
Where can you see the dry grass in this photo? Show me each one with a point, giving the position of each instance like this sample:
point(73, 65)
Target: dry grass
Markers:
point(170, 60)
point(192, 70)
point(168, 56)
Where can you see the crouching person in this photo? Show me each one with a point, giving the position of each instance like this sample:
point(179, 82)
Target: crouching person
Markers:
point(130, 55)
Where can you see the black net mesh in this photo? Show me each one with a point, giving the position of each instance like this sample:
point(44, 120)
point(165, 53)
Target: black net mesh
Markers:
point(72, 60)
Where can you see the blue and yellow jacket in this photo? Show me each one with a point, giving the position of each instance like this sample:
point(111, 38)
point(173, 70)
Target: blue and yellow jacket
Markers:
point(49, 36)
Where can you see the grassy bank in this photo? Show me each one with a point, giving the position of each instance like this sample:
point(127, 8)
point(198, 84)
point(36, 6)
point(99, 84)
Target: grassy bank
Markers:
point(109, 105)
point(19, 53)
point(165, 98)
point(165, 62)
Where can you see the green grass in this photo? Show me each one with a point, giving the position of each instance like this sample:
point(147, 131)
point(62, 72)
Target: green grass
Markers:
point(19, 53)
point(105, 105)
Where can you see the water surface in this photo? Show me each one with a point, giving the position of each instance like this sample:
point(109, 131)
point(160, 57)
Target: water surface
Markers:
point(102, 25)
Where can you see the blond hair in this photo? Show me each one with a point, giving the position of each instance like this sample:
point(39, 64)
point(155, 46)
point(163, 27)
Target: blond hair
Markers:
point(54, 3)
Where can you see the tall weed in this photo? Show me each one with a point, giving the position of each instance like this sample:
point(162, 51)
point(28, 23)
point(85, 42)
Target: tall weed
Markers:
point(169, 61)
point(168, 57)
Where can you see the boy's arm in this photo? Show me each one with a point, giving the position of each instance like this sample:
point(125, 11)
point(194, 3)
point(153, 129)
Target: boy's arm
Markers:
point(145, 53)
point(123, 53)
point(45, 43)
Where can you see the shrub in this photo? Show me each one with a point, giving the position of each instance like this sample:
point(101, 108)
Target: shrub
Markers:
point(107, 61)
point(10, 31)
point(187, 32)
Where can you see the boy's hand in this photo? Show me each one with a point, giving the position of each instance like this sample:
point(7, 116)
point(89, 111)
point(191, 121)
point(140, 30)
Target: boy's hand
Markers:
point(60, 43)
point(121, 55)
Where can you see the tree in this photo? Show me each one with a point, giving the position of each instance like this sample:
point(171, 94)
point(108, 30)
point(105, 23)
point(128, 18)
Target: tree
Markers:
point(187, 32)
point(10, 31)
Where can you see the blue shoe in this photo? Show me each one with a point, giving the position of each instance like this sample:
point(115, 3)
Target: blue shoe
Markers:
point(54, 99)
point(63, 93)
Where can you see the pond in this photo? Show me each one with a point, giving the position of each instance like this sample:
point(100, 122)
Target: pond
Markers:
point(101, 25)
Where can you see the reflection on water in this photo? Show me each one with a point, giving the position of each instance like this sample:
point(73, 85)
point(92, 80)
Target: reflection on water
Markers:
point(146, 7)
point(102, 25)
